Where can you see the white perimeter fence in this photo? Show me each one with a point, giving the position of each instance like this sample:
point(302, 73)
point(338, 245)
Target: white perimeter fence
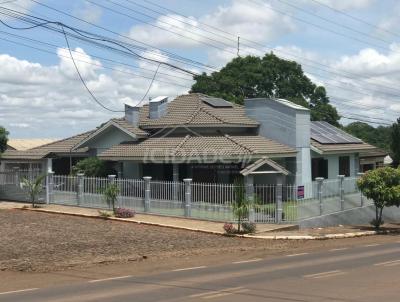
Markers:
point(211, 201)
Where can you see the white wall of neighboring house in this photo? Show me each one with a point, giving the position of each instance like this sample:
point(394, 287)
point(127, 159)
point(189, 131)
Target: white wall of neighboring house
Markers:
point(288, 124)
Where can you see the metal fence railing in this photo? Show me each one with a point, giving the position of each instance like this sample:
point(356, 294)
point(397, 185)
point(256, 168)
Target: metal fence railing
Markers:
point(213, 201)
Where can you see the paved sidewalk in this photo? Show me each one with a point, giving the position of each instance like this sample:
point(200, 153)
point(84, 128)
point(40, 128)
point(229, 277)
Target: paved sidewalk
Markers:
point(165, 221)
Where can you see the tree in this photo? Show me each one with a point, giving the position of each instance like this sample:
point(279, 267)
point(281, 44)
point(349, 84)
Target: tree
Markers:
point(111, 195)
point(34, 188)
point(269, 76)
point(92, 167)
point(3, 139)
point(379, 136)
point(383, 187)
point(395, 142)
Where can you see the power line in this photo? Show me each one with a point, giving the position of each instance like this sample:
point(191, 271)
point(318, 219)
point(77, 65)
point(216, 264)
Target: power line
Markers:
point(169, 54)
point(91, 63)
point(355, 18)
point(82, 33)
point(332, 22)
point(321, 27)
point(81, 78)
point(329, 69)
point(92, 55)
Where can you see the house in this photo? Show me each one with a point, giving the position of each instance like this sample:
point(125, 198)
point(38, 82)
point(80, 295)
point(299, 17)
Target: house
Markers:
point(209, 140)
point(29, 143)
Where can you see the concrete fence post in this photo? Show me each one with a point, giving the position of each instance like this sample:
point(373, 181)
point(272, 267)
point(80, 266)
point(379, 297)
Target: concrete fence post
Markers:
point(79, 189)
point(249, 191)
point(111, 180)
point(16, 176)
point(361, 194)
point(50, 187)
point(147, 193)
point(341, 191)
point(188, 197)
point(320, 181)
point(278, 202)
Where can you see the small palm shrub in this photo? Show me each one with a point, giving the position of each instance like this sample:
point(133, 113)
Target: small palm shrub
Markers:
point(111, 195)
point(33, 188)
point(105, 214)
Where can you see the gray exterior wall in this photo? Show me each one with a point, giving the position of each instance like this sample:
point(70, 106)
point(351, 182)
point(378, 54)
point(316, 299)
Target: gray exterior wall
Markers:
point(287, 125)
point(110, 137)
point(333, 163)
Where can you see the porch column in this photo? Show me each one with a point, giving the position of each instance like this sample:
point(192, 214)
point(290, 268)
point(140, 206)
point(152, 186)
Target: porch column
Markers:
point(49, 164)
point(249, 188)
point(278, 201)
point(175, 179)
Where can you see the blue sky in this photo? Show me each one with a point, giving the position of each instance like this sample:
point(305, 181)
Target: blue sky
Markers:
point(41, 96)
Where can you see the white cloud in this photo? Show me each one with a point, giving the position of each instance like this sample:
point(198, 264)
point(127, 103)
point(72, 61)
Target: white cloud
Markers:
point(255, 22)
point(89, 12)
point(50, 101)
point(345, 4)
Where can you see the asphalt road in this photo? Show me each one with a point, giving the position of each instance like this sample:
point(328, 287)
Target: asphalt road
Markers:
point(362, 273)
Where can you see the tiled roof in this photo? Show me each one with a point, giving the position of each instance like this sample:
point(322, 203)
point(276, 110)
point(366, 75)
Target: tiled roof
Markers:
point(377, 152)
point(189, 109)
point(127, 126)
point(25, 144)
point(197, 146)
point(342, 148)
point(61, 146)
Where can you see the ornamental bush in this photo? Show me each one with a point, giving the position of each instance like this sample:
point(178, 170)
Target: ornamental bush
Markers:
point(229, 228)
point(124, 213)
point(249, 227)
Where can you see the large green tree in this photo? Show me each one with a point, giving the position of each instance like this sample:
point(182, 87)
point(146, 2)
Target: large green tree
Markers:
point(3, 139)
point(379, 136)
point(269, 76)
point(395, 141)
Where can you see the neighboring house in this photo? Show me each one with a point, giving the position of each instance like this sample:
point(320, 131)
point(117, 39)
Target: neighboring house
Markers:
point(210, 140)
point(27, 143)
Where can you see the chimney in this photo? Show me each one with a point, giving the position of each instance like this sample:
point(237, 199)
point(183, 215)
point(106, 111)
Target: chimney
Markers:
point(158, 107)
point(132, 114)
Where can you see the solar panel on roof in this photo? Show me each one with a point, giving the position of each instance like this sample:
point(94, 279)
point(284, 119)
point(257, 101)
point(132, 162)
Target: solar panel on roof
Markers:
point(217, 102)
point(325, 133)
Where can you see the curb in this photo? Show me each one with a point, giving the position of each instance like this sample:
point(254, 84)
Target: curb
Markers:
point(271, 237)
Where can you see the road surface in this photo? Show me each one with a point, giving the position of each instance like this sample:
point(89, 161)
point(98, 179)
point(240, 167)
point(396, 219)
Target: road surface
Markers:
point(369, 272)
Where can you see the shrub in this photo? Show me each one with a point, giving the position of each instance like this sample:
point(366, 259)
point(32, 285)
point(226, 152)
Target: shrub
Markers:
point(124, 213)
point(229, 228)
point(249, 227)
point(104, 214)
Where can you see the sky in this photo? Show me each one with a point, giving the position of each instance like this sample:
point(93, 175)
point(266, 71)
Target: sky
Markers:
point(350, 47)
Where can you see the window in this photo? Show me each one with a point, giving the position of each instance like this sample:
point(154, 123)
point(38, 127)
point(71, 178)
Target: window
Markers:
point(319, 168)
point(344, 166)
